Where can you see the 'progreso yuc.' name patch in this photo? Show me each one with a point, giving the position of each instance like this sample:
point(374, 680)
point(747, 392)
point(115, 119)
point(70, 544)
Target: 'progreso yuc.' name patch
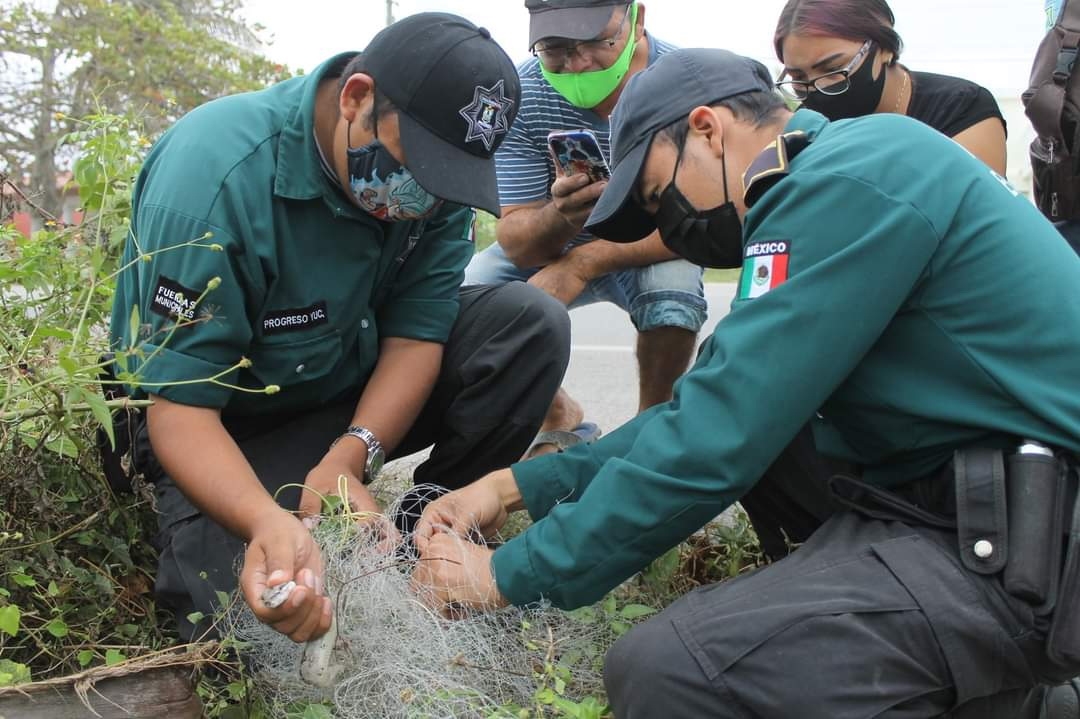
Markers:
point(765, 266)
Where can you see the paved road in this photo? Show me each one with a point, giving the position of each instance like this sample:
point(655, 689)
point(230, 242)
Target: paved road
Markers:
point(602, 375)
point(603, 369)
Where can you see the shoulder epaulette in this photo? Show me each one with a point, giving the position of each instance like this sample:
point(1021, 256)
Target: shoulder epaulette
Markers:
point(771, 165)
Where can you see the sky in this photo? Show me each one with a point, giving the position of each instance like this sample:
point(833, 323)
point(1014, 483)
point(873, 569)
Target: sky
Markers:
point(991, 42)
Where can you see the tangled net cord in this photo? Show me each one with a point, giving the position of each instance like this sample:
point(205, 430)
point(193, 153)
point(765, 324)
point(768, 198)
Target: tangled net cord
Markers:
point(395, 657)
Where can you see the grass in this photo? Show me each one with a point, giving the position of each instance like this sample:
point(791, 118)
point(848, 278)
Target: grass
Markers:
point(485, 235)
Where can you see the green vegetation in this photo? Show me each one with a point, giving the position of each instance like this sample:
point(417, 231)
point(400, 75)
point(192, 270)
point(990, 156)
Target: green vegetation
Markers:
point(74, 558)
point(81, 57)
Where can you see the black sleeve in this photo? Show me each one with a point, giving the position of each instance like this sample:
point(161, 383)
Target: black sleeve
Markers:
point(982, 107)
point(951, 105)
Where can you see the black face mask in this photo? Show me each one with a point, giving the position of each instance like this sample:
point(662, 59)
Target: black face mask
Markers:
point(710, 238)
point(861, 98)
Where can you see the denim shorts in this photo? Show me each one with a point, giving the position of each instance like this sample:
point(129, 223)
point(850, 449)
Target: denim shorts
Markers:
point(666, 294)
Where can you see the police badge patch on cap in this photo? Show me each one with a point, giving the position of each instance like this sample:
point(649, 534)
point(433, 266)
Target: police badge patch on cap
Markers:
point(486, 114)
point(765, 267)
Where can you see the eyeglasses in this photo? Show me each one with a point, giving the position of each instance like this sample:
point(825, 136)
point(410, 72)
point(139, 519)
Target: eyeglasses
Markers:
point(556, 54)
point(836, 82)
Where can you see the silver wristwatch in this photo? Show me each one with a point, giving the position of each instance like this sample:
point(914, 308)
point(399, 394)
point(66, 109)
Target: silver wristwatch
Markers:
point(375, 454)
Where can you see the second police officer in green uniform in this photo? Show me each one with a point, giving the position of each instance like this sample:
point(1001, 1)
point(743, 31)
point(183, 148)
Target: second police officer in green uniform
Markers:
point(339, 202)
point(926, 317)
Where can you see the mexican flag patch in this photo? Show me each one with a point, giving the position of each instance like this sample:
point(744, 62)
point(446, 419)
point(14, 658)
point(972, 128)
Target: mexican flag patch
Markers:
point(765, 266)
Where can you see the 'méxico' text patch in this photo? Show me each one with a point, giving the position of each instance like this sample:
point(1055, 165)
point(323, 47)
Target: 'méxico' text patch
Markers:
point(765, 266)
point(294, 320)
point(173, 300)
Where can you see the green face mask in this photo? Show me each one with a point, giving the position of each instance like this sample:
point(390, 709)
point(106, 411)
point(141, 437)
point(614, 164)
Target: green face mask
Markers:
point(589, 89)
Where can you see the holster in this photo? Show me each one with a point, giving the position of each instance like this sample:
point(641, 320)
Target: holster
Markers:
point(1036, 491)
point(1018, 515)
point(1063, 640)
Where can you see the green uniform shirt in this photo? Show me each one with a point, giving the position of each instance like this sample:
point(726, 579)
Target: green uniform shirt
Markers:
point(309, 282)
point(927, 306)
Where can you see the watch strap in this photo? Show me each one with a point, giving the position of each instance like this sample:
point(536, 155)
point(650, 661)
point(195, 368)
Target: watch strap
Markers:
point(375, 452)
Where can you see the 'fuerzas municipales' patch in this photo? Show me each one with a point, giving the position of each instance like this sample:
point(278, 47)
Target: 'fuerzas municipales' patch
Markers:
point(765, 266)
point(173, 300)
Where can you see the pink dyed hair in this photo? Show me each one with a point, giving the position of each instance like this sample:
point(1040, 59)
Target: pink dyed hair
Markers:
point(859, 20)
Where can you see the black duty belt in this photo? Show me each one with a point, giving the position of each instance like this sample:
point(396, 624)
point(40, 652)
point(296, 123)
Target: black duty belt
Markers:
point(1014, 514)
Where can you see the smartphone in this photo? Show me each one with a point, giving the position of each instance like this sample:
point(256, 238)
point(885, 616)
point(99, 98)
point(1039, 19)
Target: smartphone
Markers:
point(578, 151)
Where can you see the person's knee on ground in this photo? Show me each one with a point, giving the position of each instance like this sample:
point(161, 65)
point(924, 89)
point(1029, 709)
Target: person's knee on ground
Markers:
point(539, 316)
point(503, 365)
point(649, 673)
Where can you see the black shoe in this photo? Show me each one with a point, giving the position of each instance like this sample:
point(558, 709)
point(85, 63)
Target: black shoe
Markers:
point(1061, 701)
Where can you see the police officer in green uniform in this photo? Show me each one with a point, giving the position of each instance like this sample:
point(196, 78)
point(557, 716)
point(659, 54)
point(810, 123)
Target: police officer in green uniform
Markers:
point(294, 309)
point(902, 295)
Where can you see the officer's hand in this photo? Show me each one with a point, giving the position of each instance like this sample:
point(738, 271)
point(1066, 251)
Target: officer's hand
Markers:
point(565, 278)
point(453, 577)
point(476, 509)
point(334, 478)
point(574, 197)
point(281, 550)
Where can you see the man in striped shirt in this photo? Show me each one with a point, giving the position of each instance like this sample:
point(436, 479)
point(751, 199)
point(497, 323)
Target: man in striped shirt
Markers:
point(584, 52)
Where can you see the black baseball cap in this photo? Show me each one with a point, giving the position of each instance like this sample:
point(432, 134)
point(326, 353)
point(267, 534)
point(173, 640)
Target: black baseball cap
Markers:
point(573, 19)
point(457, 93)
point(654, 98)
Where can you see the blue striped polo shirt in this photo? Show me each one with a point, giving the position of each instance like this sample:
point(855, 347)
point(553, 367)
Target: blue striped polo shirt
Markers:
point(523, 162)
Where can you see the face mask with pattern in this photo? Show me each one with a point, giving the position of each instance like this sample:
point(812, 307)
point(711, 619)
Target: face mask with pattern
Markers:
point(384, 187)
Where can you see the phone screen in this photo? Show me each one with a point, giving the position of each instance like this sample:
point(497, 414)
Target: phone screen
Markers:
point(577, 151)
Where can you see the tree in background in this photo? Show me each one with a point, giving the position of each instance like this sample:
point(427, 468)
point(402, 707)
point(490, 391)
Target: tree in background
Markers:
point(157, 58)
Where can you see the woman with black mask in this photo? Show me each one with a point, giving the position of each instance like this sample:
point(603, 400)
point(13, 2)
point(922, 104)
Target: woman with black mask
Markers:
point(841, 59)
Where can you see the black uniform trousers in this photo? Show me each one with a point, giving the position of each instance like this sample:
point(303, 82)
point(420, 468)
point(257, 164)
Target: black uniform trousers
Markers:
point(504, 360)
point(867, 618)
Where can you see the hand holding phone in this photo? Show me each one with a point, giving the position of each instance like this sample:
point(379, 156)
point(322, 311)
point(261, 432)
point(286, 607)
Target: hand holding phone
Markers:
point(578, 151)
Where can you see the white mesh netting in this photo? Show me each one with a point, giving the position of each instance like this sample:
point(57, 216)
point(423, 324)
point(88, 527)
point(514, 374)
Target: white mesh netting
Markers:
point(394, 657)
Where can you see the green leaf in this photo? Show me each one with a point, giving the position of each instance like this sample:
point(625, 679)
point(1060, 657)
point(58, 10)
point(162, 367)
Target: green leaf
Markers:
point(53, 590)
point(317, 711)
point(12, 673)
point(9, 620)
point(85, 657)
point(64, 446)
point(24, 580)
point(70, 366)
point(545, 696)
point(636, 611)
point(101, 413)
point(114, 656)
point(196, 617)
point(58, 332)
point(663, 568)
point(57, 627)
point(560, 686)
point(134, 322)
point(223, 598)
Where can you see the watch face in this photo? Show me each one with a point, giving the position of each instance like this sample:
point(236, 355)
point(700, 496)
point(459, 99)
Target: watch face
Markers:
point(375, 463)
